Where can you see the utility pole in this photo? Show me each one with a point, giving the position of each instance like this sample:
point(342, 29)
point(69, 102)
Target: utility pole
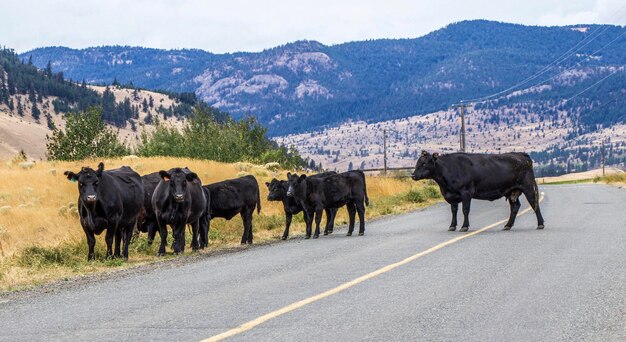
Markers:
point(462, 107)
point(385, 152)
point(603, 158)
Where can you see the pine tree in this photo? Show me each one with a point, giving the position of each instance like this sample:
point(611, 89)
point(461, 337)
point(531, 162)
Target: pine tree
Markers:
point(35, 112)
point(48, 71)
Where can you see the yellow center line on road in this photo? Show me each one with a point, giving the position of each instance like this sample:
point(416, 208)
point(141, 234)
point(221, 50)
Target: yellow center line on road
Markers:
point(294, 306)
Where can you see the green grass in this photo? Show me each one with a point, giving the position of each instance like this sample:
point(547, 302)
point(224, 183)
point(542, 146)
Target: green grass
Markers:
point(578, 181)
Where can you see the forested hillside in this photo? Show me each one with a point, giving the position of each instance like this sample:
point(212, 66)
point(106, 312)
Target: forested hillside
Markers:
point(24, 87)
point(306, 85)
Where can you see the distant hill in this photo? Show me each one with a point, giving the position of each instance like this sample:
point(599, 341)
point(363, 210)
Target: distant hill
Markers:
point(33, 101)
point(306, 85)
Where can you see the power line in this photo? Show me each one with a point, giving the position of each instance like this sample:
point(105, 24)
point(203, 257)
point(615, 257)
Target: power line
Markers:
point(600, 81)
point(579, 63)
point(554, 63)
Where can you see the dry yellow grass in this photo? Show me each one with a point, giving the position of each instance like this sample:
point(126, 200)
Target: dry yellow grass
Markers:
point(616, 178)
point(41, 238)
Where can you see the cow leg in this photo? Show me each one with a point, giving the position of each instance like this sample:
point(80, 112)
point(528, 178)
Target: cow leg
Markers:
point(288, 217)
point(163, 234)
point(533, 199)
point(128, 235)
point(515, 205)
point(308, 218)
point(455, 210)
point(331, 220)
point(91, 243)
point(203, 232)
point(195, 226)
point(179, 238)
point(250, 234)
point(152, 230)
point(244, 235)
point(318, 220)
point(245, 217)
point(118, 240)
point(360, 209)
point(466, 210)
point(351, 213)
point(108, 238)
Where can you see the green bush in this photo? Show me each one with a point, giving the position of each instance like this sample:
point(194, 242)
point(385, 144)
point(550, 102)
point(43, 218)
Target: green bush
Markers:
point(415, 196)
point(229, 141)
point(85, 136)
point(432, 192)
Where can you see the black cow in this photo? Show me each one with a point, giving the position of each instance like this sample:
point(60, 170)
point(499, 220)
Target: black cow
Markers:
point(108, 200)
point(229, 198)
point(278, 192)
point(146, 222)
point(178, 200)
point(315, 194)
point(463, 176)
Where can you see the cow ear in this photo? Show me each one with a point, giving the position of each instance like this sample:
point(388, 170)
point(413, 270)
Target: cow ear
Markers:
point(191, 176)
point(164, 175)
point(424, 152)
point(435, 155)
point(288, 174)
point(267, 184)
point(302, 177)
point(71, 176)
point(100, 169)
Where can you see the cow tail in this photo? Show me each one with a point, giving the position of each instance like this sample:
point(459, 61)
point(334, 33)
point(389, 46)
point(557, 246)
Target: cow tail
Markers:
point(367, 200)
point(258, 201)
point(536, 204)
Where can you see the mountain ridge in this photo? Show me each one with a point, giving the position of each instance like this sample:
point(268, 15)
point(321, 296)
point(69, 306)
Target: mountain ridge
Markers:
point(306, 85)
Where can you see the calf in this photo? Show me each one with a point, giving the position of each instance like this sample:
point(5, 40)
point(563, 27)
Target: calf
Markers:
point(108, 200)
point(463, 176)
point(146, 222)
point(315, 194)
point(178, 200)
point(229, 198)
point(278, 192)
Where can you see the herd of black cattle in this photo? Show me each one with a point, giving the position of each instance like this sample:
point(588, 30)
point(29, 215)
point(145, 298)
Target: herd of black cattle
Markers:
point(119, 200)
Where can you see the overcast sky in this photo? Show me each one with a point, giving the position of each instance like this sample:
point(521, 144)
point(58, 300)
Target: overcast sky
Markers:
point(237, 25)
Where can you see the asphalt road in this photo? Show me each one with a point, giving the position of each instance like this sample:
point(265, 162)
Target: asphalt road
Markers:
point(564, 283)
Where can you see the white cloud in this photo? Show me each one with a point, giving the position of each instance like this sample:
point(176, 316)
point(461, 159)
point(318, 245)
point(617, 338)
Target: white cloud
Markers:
point(599, 11)
point(238, 25)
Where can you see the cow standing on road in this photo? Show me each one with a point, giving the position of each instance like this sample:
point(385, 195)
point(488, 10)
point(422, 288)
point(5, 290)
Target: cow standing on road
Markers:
point(315, 194)
point(108, 200)
point(229, 198)
point(278, 192)
point(463, 176)
point(178, 200)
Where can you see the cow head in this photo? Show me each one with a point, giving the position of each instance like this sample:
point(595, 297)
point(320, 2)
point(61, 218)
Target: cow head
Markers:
point(276, 190)
point(88, 180)
point(425, 166)
point(294, 182)
point(177, 179)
